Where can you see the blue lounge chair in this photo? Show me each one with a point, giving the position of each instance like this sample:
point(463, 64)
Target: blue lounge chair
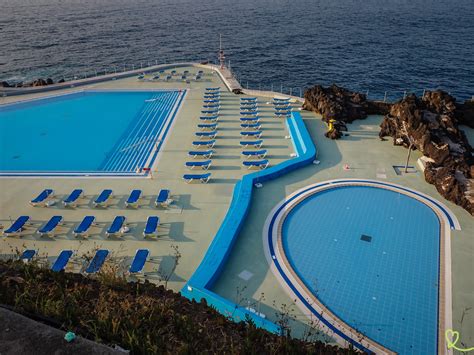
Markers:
point(256, 134)
point(282, 108)
point(250, 119)
point(211, 101)
point(71, 200)
point(210, 112)
point(255, 144)
point(277, 99)
point(207, 135)
point(173, 72)
point(248, 99)
point(103, 198)
point(133, 199)
point(202, 178)
point(141, 77)
point(209, 118)
point(116, 228)
point(50, 226)
point(248, 108)
point(164, 198)
point(204, 165)
point(156, 77)
point(61, 261)
point(207, 126)
point(213, 89)
point(183, 77)
point(206, 154)
point(249, 113)
point(82, 230)
point(168, 78)
point(17, 227)
point(42, 198)
point(139, 261)
point(210, 106)
point(151, 227)
point(251, 126)
point(260, 164)
point(97, 261)
point(27, 255)
point(208, 144)
point(260, 154)
point(283, 113)
point(212, 95)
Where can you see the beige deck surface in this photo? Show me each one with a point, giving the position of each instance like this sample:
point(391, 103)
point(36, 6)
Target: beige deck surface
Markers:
point(199, 209)
point(368, 158)
point(190, 223)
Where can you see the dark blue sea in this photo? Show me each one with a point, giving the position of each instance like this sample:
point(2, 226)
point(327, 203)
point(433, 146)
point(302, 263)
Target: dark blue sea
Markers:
point(374, 45)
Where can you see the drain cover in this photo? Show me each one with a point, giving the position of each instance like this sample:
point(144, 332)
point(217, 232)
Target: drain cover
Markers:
point(366, 238)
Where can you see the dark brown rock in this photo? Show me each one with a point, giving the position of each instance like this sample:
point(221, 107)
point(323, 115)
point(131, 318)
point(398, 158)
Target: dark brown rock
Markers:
point(430, 125)
point(341, 106)
point(465, 113)
point(39, 82)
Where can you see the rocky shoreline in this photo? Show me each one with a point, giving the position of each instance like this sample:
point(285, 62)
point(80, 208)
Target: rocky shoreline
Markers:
point(429, 124)
point(34, 83)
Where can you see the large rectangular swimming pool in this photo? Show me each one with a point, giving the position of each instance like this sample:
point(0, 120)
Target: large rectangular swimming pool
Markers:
point(87, 132)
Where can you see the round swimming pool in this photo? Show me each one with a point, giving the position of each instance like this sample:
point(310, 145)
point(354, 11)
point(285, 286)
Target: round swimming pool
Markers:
point(370, 256)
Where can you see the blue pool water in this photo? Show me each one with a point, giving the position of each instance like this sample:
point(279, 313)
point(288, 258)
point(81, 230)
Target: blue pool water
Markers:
point(387, 288)
point(91, 131)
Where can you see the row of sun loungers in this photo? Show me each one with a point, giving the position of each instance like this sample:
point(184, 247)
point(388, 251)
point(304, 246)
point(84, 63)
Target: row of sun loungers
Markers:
point(251, 129)
point(118, 227)
point(184, 76)
point(45, 198)
point(206, 136)
point(282, 107)
point(94, 266)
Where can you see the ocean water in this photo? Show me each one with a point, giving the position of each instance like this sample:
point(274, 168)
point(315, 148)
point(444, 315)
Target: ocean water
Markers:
point(390, 45)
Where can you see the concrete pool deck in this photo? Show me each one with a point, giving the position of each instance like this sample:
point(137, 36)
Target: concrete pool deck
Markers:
point(368, 158)
point(192, 222)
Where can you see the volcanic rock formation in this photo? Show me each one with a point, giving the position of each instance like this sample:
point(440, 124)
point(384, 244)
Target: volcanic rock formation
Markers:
point(339, 106)
point(430, 125)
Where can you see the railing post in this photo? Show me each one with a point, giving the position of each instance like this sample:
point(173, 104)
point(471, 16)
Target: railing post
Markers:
point(272, 88)
point(291, 91)
point(385, 97)
point(247, 85)
point(404, 94)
